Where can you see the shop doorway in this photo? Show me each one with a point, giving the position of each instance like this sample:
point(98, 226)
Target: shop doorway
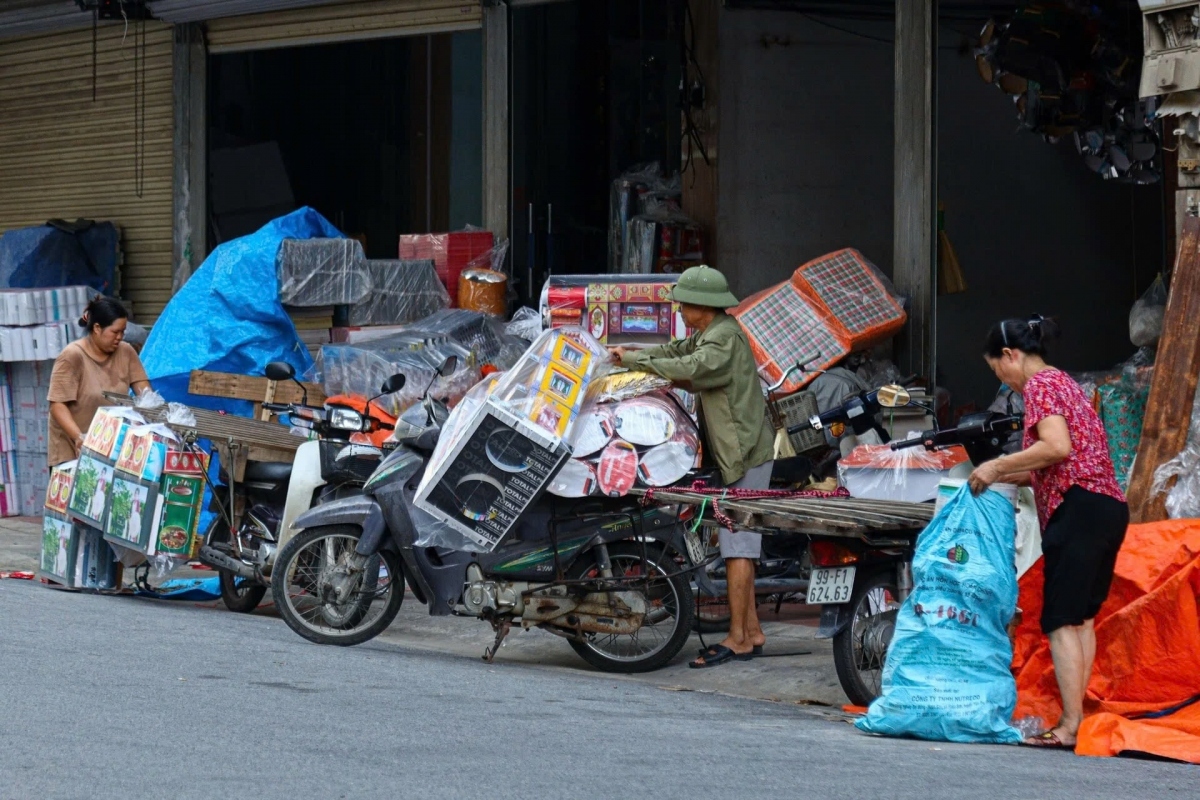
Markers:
point(382, 137)
point(595, 90)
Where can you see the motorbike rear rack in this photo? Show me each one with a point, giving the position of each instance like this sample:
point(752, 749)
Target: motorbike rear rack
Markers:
point(879, 523)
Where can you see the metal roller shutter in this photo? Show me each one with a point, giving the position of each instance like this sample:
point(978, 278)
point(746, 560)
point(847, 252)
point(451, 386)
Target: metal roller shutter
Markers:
point(340, 22)
point(63, 155)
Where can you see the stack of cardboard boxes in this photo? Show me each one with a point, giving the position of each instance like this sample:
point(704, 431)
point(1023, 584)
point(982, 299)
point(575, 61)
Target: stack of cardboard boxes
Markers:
point(133, 487)
point(24, 420)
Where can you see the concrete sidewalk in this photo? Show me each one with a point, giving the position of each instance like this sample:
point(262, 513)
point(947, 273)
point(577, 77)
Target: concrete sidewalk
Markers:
point(795, 668)
point(20, 543)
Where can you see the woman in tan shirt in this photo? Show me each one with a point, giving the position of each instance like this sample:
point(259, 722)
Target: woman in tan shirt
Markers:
point(99, 362)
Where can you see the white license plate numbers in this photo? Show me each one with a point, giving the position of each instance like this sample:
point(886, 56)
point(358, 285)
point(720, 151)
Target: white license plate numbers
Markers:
point(830, 586)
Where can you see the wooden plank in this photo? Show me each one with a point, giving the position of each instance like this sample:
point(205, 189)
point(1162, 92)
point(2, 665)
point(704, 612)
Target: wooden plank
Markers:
point(251, 387)
point(1173, 387)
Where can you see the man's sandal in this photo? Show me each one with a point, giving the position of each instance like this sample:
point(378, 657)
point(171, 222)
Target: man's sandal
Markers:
point(718, 654)
point(703, 651)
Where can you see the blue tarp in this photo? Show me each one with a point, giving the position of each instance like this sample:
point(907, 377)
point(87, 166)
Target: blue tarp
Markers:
point(194, 589)
point(947, 676)
point(32, 258)
point(228, 317)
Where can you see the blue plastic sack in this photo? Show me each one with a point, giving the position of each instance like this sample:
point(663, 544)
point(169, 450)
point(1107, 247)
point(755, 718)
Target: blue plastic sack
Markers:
point(947, 676)
point(194, 589)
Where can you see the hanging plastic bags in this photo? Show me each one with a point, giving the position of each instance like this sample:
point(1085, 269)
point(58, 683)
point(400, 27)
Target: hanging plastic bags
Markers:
point(1146, 316)
point(947, 674)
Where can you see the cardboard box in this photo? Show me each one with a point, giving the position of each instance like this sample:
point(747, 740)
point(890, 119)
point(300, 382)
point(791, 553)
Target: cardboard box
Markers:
point(185, 462)
point(90, 490)
point(143, 454)
point(95, 562)
point(135, 508)
point(108, 430)
point(178, 534)
point(59, 549)
point(498, 468)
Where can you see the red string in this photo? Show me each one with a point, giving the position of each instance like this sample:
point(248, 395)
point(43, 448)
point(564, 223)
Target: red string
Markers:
point(715, 492)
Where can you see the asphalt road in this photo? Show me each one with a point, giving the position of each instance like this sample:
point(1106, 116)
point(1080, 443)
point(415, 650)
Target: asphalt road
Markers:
point(124, 697)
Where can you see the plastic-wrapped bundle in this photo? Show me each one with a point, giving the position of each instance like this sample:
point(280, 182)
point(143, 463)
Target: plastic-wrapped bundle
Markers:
point(876, 472)
point(785, 328)
point(507, 440)
point(525, 324)
point(849, 288)
point(360, 370)
point(615, 309)
point(479, 333)
point(401, 292)
point(1183, 499)
point(321, 272)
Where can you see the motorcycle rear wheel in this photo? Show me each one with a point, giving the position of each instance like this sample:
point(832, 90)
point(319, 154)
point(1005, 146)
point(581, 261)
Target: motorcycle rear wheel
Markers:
point(860, 651)
point(668, 624)
point(240, 595)
point(300, 587)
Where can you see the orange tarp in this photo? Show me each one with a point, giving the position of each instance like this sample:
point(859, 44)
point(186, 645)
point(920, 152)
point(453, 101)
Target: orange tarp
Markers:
point(1147, 649)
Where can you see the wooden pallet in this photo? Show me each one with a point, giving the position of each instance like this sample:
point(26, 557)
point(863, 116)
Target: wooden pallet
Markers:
point(256, 389)
point(834, 516)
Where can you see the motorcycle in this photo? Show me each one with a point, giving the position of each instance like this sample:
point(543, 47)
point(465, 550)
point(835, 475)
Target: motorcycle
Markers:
point(272, 494)
point(860, 583)
point(604, 575)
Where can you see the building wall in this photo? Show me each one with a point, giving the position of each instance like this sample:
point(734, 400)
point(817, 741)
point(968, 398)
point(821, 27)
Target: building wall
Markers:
point(806, 167)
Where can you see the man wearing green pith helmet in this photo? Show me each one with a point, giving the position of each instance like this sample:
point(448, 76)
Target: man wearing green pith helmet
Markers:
point(716, 363)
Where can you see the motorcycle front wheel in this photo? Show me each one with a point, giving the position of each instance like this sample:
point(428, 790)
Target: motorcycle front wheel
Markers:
point(321, 599)
point(668, 622)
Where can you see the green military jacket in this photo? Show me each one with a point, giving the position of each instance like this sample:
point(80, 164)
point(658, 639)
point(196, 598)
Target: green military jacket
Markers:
point(718, 366)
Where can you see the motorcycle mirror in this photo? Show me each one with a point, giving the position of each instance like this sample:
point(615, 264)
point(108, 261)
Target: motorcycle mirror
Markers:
point(393, 384)
point(893, 396)
point(280, 371)
point(448, 366)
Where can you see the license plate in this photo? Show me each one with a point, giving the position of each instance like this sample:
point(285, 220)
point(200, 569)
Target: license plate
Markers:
point(830, 586)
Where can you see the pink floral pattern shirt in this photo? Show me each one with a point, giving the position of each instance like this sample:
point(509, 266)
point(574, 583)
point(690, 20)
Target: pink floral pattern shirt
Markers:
point(1089, 466)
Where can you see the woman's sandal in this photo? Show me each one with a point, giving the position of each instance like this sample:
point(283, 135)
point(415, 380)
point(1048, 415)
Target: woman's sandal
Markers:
point(718, 654)
point(1048, 740)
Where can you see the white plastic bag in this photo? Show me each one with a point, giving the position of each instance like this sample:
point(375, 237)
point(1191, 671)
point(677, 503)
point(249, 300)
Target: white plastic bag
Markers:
point(1146, 316)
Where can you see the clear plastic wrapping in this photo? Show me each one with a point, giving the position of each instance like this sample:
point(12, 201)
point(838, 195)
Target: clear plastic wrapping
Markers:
point(401, 292)
point(507, 439)
point(322, 272)
point(1183, 498)
point(662, 239)
point(877, 472)
point(451, 253)
point(1146, 316)
point(526, 323)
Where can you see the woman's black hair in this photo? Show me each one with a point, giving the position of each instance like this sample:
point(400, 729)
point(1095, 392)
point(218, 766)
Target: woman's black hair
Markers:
point(102, 311)
point(1027, 335)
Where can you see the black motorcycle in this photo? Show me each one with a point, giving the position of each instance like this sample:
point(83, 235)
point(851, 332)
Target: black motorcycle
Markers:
point(605, 575)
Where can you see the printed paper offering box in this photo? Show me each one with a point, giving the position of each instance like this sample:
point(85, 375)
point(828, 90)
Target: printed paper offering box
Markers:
point(178, 533)
point(95, 563)
point(59, 545)
point(184, 462)
point(58, 492)
point(615, 309)
point(134, 511)
point(107, 433)
point(89, 491)
point(144, 453)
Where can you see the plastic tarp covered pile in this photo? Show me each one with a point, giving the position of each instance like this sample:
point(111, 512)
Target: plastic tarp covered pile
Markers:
point(46, 256)
point(401, 291)
point(1144, 694)
point(947, 675)
point(228, 317)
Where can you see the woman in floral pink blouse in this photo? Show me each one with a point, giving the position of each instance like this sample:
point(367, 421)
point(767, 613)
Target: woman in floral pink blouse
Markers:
point(1080, 505)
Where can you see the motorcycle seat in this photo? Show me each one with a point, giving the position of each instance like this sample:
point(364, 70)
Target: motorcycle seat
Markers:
point(268, 472)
